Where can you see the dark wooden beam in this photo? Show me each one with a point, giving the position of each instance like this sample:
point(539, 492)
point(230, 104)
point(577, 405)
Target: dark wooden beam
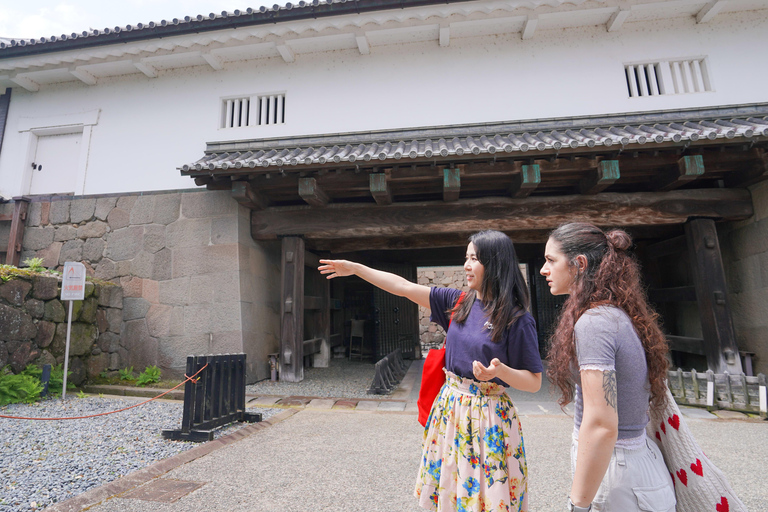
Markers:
point(311, 259)
point(379, 184)
point(244, 194)
point(605, 175)
point(712, 296)
point(292, 310)
point(675, 294)
point(423, 241)
point(686, 344)
point(451, 184)
point(16, 235)
point(749, 174)
point(526, 181)
point(311, 192)
point(312, 303)
point(689, 168)
point(668, 247)
point(339, 221)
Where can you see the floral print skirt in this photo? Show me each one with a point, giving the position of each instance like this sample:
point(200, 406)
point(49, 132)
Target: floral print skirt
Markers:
point(473, 456)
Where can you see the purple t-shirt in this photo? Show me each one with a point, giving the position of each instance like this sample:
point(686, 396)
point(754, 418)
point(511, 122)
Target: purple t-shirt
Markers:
point(471, 341)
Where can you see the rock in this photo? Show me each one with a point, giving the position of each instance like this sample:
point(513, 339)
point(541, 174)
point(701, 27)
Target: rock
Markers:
point(54, 311)
point(114, 319)
point(3, 355)
point(97, 364)
point(82, 338)
point(93, 249)
point(111, 296)
point(114, 361)
point(38, 238)
point(109, 342)
point(90, 288)
point(167, 208)
point(101, 320)
point(162, 267)
point(105, 269)
point(59, 212)
point(45, 333)
point(65, 233)
point(118, 219)
point(50, 255)
point(36, 308)
point(23, 356)
point(71, 251)
point(79, 372)
point(124, 244)
point(45, 358)
point(16, 325)
point(142, 210)
point(82, 210)
point(135, 308)
point(45, 287)
point(104, 205)
point(88, 311)
point(15, 291)
point(95, 229)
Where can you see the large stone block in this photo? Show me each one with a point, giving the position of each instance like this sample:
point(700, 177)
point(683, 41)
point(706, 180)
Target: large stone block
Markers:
point(71, 251)
point(95, 229)
point(77, 367)
point(225, 316)
point(205, 260)
point(188, 233)
point(101, 320)
point(208, 204)
point(104, 205)
point(45, 358)
point(143, 210)
point(109, 342)
point(142, 349)
point(197, 319)
point(175, 291)
point(201, 289)
point(89, 309)
point(15, 291)
point(132, 286)
point(224, 230)
point(45, 287)
point(35, 308)
point(174, 350)
point(93, 249)
point(81, 338)
point(59, 211)
point(135, 308)
point(45, 332)
point(16, 325)
point(23, 356)
point(150, 291)
point(64, 233)
point(82, 210)
point(50, 255)
point(105, 269)
point(142, 265)
point(97, 364)
point(126, 202)
point(114, 361)
point(154, 237)
point(163, 265)
point(176, 321)
point(124, 244)
point(118, 219)
point(3, 355)
point(38, 238)
point(111, 296)
point(159, 320)
point(114, 319)
point(54, 311)
point(34, 214)
point(167, 208)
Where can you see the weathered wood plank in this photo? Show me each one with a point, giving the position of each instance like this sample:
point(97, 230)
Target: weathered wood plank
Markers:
point(379, 184)
point(243, 193)
point(675, 294)
point(526, 181)
point(292, 310)
point(312, 303)
point(689, 168)
point(311, 192)
point(750, 174)
point(16, 235)
point(712, 296)
point(686, 344)
point(606, 174)
point(311, 260)
point(451, 184)
point(338, 221)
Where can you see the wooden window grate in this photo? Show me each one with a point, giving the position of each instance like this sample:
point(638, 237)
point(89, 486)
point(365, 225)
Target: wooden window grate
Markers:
point(256, 110)
point(683, 76)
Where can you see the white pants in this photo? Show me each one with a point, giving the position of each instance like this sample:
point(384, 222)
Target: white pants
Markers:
point(636, 480)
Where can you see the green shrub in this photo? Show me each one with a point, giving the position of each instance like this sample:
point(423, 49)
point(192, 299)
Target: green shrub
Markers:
point(150, 375)
point(126, 373)
point(14, 389)
point(56, 381)
point(34, 264)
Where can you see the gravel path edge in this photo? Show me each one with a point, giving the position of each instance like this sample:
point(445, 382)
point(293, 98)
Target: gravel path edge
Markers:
point(139, 477)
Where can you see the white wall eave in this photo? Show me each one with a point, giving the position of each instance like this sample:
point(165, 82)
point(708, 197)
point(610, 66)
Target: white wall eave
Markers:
point(361, 32)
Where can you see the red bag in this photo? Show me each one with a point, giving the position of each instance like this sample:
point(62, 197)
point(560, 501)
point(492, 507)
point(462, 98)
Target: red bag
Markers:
point(432, 377)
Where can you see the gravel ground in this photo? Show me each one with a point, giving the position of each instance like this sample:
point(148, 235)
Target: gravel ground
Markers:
point(342, 379)
point(44, 462)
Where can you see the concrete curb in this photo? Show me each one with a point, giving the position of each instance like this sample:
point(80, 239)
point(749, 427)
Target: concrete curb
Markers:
point(141, 476)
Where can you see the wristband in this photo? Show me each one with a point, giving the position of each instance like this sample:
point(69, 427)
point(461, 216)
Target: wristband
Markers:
point(574, 508)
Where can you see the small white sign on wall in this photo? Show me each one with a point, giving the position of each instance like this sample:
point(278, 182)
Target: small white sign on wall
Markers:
point(73, 283)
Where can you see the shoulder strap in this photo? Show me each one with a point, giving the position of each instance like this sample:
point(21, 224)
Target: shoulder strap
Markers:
point(458, 301)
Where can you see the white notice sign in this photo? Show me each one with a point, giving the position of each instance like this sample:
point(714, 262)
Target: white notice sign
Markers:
point(73, 284)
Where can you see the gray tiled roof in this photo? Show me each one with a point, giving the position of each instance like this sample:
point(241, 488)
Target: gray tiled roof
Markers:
point(239, 155)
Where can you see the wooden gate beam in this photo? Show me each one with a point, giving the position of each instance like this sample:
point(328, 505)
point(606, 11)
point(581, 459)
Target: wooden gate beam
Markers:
point(16, 235)
point(712, 296)
point(350, 220)
point(292, 310)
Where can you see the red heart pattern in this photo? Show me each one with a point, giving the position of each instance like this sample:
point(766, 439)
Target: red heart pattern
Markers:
point(663, 428)
point(696, 468)
point(683, 476)
point(674, 421)
point(723, 505)
point(658, 436)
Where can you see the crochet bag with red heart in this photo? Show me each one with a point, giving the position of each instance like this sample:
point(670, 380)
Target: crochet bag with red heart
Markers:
point(699, 485)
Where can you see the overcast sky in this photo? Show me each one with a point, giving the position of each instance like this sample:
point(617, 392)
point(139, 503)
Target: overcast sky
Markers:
point(44, 18)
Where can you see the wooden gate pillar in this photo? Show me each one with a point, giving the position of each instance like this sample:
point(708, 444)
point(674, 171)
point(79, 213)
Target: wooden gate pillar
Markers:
point(720, 346)
point(16, 235)
point(292, 310)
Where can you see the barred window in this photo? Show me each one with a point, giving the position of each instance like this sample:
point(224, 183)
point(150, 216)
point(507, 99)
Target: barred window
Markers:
point(683, 76)
point(256, 110)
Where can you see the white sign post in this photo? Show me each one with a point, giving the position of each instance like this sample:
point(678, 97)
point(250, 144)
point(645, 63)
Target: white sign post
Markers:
point(72, 288)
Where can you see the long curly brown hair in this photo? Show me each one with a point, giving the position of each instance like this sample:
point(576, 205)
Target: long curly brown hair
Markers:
point(611, 276)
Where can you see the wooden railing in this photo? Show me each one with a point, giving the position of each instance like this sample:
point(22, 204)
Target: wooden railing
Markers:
point(720, 390)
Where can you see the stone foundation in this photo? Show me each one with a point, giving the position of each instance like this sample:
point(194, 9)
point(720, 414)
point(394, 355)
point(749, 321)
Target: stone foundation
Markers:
point(432, 335)
point(33, 327)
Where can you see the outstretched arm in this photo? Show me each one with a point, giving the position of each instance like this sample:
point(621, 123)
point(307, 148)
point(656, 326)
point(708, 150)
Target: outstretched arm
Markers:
point(387, 281)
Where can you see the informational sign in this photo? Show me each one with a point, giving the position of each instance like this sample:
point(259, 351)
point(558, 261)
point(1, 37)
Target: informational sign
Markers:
point(73, 284)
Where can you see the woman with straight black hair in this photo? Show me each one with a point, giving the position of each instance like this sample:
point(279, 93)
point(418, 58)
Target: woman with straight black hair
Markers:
point(473, 457)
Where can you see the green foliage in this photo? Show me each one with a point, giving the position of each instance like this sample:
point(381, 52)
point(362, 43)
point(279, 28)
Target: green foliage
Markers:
point(56, 381)
point(126, 373)
point(82, 394)
point(34, 264)
point(22, 388)
point(148, 376)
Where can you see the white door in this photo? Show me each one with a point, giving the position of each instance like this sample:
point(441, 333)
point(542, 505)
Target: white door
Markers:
point(55, 164)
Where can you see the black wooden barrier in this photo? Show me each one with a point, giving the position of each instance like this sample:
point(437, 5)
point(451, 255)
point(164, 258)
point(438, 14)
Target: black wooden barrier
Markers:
point(390, 370)
point(215, 398)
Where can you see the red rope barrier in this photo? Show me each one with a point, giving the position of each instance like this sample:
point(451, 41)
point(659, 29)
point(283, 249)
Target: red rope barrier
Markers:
point(110, 412)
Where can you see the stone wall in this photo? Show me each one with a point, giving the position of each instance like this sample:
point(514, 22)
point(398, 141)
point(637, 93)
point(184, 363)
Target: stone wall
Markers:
point(193, 279)
point(744, 246)
point(432, 335)
point(33, 326)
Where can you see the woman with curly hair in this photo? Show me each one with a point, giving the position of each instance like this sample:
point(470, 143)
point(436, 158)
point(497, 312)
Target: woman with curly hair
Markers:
point(473, 457)
point(608, 355)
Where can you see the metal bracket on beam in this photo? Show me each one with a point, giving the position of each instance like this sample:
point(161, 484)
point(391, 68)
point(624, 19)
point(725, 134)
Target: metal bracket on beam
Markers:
point(605, 175)
point(311, 192)
point(526, 181)
point(380, 190)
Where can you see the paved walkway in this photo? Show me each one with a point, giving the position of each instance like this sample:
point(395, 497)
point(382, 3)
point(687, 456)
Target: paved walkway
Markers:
point(323, 454)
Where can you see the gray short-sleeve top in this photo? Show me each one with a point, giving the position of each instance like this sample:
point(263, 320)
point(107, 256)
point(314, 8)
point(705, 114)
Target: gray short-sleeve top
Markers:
point(607, 340)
